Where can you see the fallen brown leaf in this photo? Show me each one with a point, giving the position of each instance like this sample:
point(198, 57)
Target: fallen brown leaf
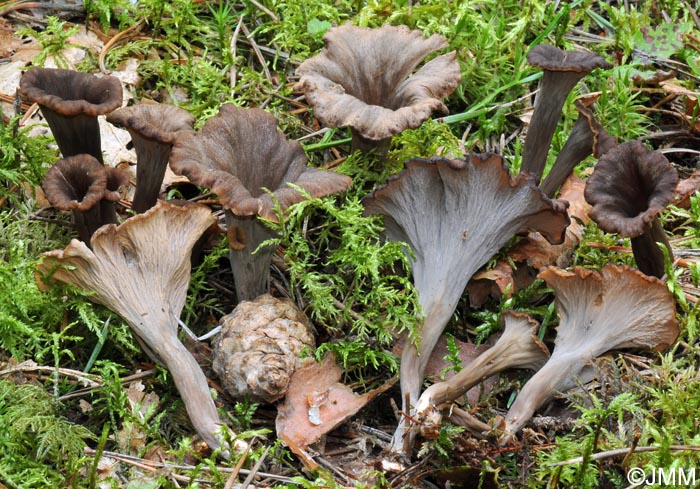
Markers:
point(686, 188)
point(316, 403)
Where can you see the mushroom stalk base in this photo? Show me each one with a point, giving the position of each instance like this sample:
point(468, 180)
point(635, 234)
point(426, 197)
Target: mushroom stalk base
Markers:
point(559, 374)
point(194, 390)
point(379, 149)
point(412, 370)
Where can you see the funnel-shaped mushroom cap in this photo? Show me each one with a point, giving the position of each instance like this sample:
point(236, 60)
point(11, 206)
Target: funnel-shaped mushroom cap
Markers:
point(455, 215)
point(75, 183)
point(153, 129)
point(71, 101)
point(83, 185)
point(618, 307)
point(551, 58)
point(239, 153)
point(629, 187)
point(517, 347)
point(365, 79)
point(141, 270)
point(562, 70)
point(155, 122)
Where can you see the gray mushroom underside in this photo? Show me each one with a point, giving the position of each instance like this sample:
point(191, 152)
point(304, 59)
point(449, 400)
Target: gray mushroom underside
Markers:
point(619, 307)
point(140, 270)
point(455, 215)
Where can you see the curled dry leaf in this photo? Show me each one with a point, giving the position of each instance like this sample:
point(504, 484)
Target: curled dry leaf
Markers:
point(685, 189)
point(316, 403)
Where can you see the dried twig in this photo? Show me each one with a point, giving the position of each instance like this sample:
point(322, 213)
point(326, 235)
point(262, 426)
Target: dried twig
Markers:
point(31, 366)
point(256, 50)
point(151, 464)
point(234, 41)
point(267, 11)
point(113, 41)
point(624, 451)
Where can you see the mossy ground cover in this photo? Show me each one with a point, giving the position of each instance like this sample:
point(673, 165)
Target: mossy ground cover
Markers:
point(82, 406)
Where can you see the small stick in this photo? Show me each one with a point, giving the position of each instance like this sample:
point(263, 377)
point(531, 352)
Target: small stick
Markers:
point(257, 52)
point(129, 459)
point(113, 41)
point(31, 366)
point(270, 14)
point(254, 470)
point(624, 451)
point(237, 468)
point(234, 40)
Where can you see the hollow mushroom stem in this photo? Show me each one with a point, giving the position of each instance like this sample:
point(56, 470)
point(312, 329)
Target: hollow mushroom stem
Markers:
point(154, 128)
point(251, 268)
point(518, 347)
point(380, 148)
point(586, 138)
point(562, 71)
point(192, 386)
point(647, 254)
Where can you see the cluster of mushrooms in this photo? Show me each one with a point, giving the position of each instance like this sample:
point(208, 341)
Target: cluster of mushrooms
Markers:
point(454, 215)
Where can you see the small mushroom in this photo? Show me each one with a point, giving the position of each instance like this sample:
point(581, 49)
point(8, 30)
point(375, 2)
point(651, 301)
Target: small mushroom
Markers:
point(618, 307)
point(629, 187)
point(517, 347)
point(242, 157)
point(70, 101)
point(562, 71)
point(455, 215)
point(586, 138)
point(141, 270)
point(153, 129)
point(87, 188)
point(364, 78)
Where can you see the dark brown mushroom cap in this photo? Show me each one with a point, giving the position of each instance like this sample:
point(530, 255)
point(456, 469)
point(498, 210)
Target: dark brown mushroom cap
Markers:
point(157, 122)
point(71, 93)
point(551, 58)
point(365, 79)
point(75, 183)
point(239, 153)
point(629, 187)
point(117, 178)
